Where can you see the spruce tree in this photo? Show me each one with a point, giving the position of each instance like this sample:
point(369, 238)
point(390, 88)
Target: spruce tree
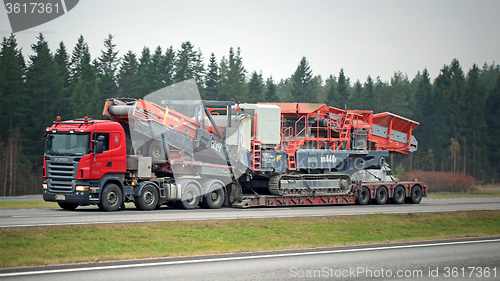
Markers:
point(256, 88)
point(455, 94)
point(185, 62)
point(284, 90)
point(357, 96)
point(236, 76)
point(167, 67)
point(80, 48)
point(475, 130)
point(400, 95)
point(425, 110)
point(271, 91)
point(85, 97)
point(44, 88)
point(142, 83)
point(331, 94)
point(380, 95)
point(342, 91)
point(441, 121)
point(128, 69)
point(302, 90)
point(212, 79)
point(493, 122)
point(12, 72)
point(223, 85)
point(107, 68)
point(368, 94)
point(61, 58)
point(155, 69)
point(232, 77)
point(199, 69)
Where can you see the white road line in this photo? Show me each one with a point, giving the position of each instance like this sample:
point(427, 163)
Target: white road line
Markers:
point(240, 258)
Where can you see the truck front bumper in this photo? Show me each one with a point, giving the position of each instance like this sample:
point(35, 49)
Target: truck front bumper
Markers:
point(88, 197)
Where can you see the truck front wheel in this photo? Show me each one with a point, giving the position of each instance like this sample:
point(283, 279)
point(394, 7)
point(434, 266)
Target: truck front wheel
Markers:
point(111, 198)
point(148, 199)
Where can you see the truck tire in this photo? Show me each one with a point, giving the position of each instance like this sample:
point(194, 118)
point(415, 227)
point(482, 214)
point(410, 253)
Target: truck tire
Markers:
point(141, 149)
point(67, 206)
point(111, 198)
point(214, 198)
point(381, 196)
point(363, 196)
point(160, 203)
point(148, 199)
point(399, 195)
point(416, 194)
point(190, 197)
point(156, 151)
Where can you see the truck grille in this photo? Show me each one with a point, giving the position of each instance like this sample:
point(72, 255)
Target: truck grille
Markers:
point(61, 172)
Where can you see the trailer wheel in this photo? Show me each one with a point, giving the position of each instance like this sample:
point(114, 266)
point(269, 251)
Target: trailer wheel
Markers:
point(190, 197)
point(381, 196)
point(399, 195)
point(111, 198)
point(363, 196)
point(67, 206)
point(215, 198)
point(416, 194)
point(148, 199)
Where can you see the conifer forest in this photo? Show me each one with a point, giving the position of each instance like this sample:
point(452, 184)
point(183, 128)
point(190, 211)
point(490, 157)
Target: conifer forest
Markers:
point(458, 111)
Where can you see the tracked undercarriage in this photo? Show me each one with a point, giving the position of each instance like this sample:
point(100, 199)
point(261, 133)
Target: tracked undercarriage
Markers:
point(310, 185)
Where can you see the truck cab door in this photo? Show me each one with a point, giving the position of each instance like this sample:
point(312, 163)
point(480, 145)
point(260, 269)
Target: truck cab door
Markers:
point(102, 163)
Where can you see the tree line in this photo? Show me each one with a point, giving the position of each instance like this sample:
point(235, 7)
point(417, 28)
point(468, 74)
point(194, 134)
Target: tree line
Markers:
point(458, 111)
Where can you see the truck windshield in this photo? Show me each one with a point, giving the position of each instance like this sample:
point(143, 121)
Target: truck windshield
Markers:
point(67, 144)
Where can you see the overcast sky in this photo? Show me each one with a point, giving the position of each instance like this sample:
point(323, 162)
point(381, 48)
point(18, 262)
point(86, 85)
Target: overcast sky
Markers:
point(369, 37)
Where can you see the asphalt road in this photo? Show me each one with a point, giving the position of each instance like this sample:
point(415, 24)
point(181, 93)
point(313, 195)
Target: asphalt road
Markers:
point(442, 260)
point(92, 215)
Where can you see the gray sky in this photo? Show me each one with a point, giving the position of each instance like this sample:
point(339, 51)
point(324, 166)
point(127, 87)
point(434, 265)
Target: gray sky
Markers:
point(364, 37)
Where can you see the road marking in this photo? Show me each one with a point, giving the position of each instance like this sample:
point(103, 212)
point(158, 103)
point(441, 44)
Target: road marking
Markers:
point(69, 270)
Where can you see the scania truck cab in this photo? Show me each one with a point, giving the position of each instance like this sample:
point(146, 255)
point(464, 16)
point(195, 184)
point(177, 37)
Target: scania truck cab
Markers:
point(81, 157)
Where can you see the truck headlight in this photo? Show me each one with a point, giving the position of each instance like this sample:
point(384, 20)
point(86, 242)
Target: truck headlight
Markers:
point(44, 185)
point(81, 188)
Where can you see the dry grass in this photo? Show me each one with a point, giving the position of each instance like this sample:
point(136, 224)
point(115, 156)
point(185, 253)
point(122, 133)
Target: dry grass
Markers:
point(473, 191)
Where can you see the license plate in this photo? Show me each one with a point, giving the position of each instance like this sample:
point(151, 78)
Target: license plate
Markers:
point(60, 197)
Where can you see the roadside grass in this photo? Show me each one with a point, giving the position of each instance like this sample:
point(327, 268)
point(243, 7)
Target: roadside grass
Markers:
point(27, 204)
point(37, 246)
point(34, 204)
point(473, 192)
point(442, 195)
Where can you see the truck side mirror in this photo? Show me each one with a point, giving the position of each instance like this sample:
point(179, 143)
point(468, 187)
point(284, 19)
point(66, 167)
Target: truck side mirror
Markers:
point(99, 145)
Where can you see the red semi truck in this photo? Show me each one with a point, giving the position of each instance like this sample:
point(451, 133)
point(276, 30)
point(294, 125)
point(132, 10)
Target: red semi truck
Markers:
point(240, 155)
